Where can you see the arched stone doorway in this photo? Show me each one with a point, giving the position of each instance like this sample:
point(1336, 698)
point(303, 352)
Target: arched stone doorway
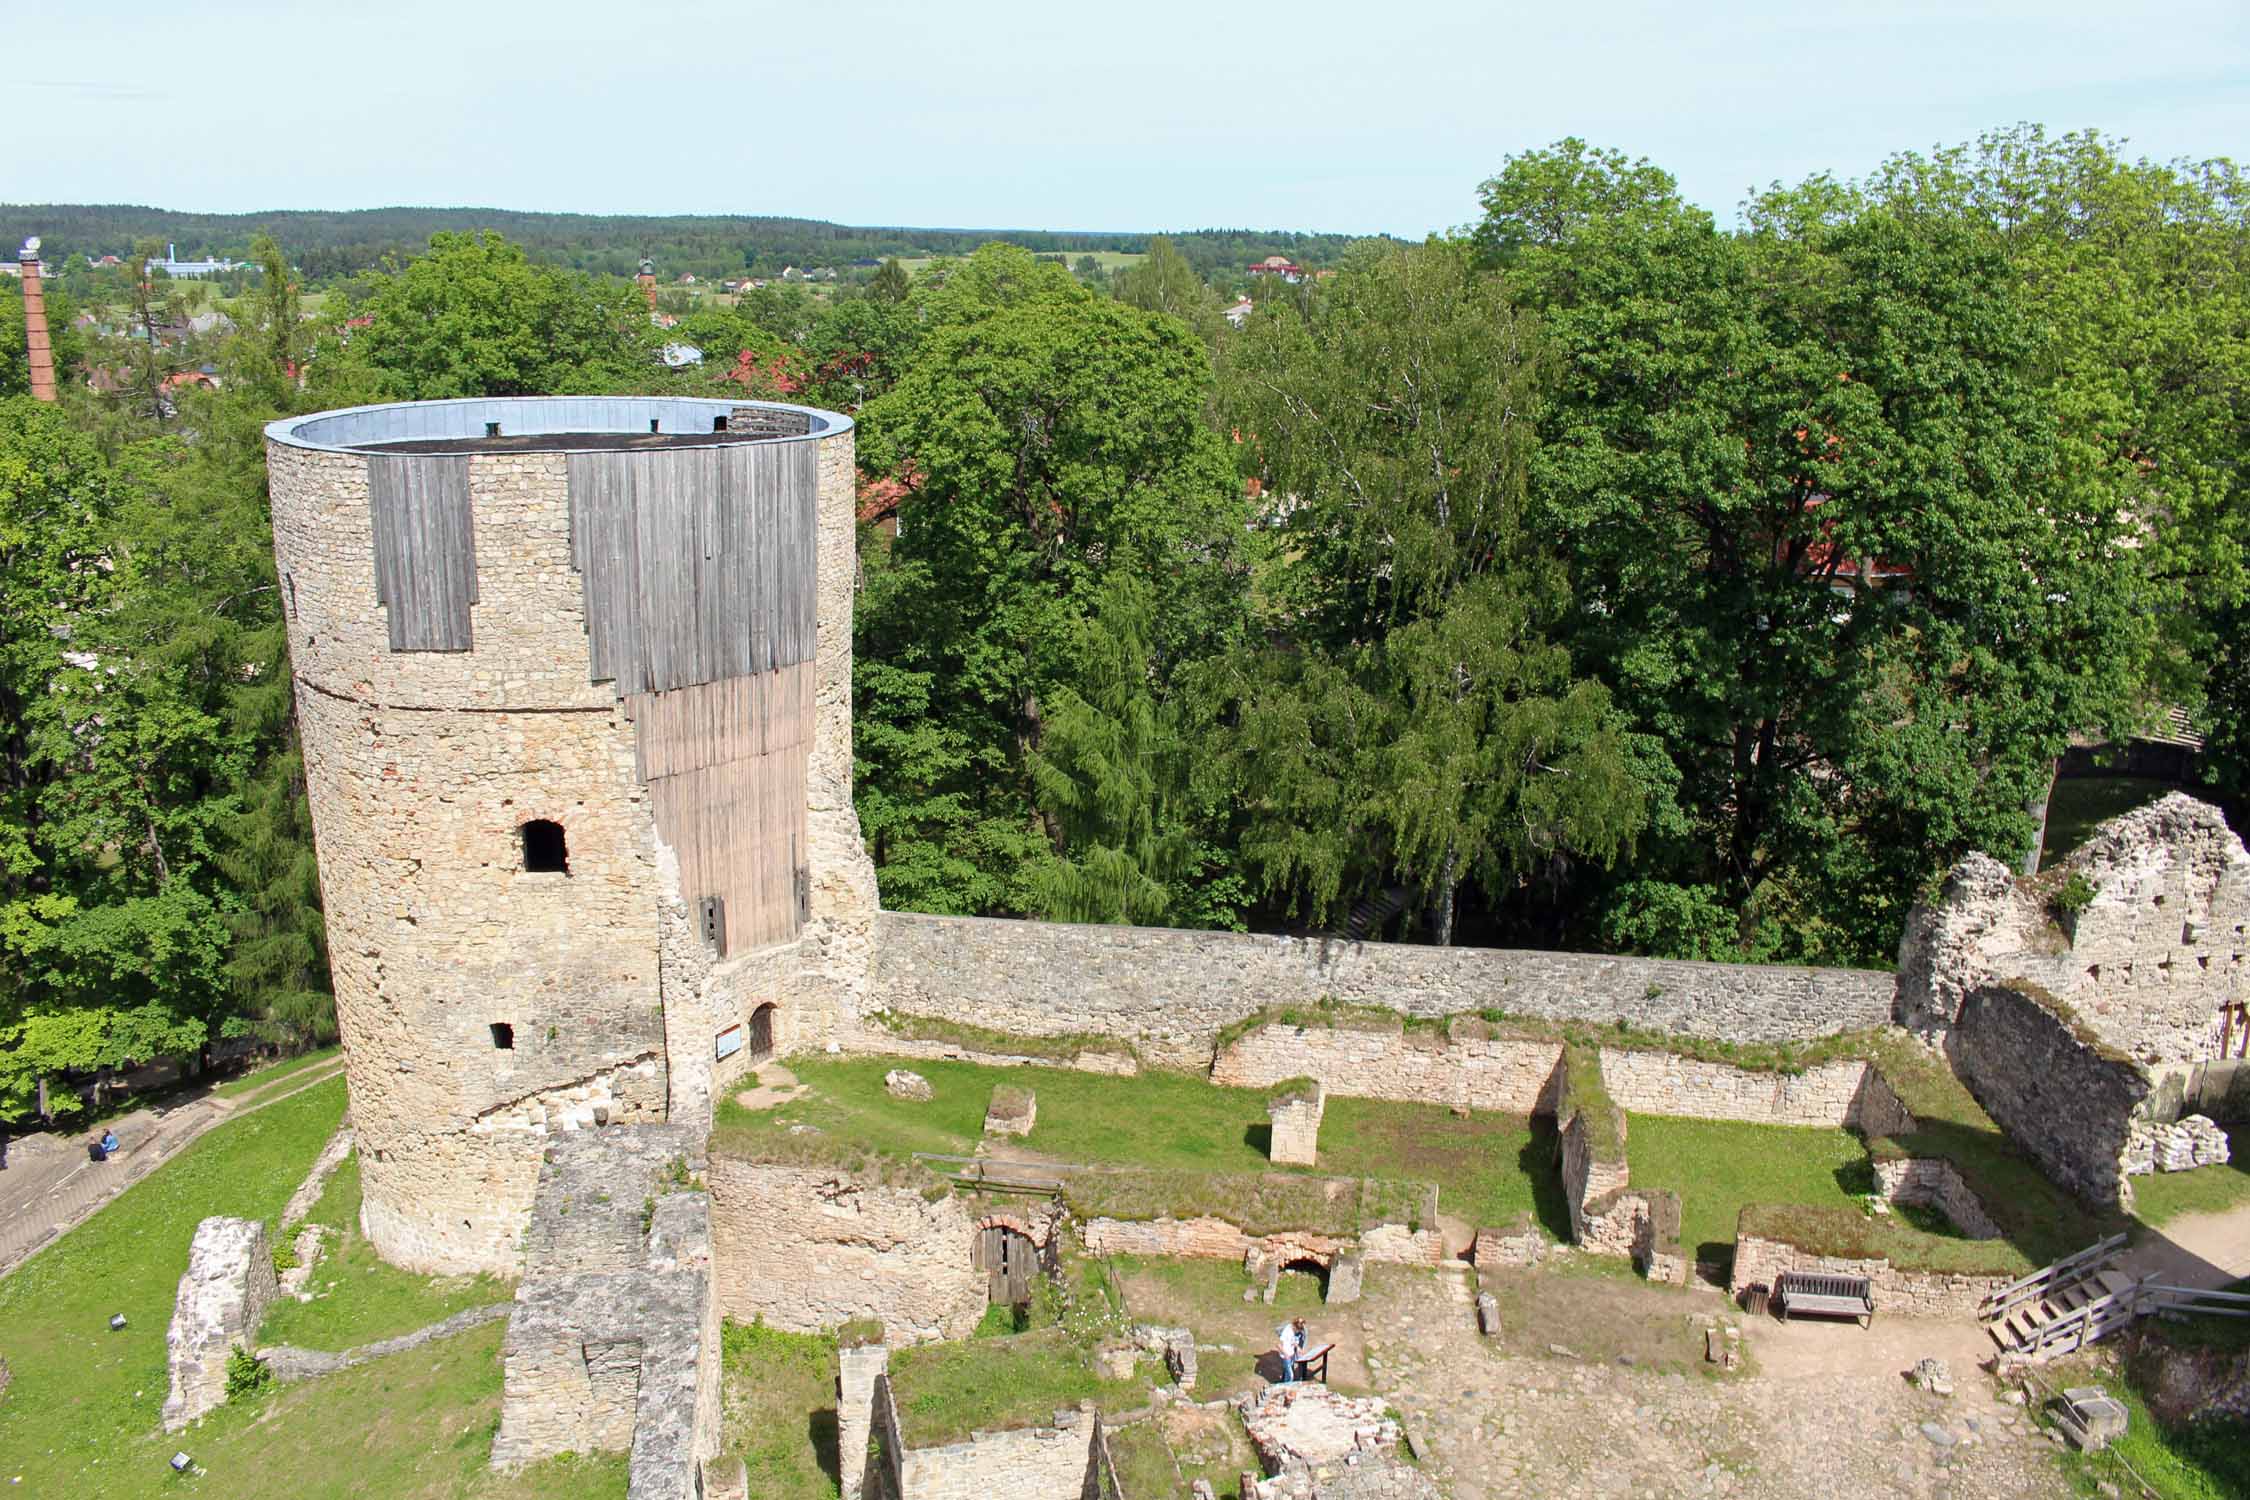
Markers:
point(761, 1034)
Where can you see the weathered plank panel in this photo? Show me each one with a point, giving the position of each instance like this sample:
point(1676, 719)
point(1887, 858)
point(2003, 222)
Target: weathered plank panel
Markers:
point(698, 563)
point(425, 549)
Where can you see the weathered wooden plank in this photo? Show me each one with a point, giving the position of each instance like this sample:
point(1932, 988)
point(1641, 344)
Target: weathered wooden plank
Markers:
point(425, 551)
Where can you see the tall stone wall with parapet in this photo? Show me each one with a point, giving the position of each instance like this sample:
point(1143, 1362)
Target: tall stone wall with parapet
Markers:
point(1170, 993)
point(2061, 1095)
point(812, 1248)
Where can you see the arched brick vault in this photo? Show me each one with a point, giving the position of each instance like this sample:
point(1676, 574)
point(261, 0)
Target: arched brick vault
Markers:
point(1011, 1221)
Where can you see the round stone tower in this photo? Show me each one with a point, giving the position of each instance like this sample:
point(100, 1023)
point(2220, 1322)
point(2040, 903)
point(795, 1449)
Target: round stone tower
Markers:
point(573, 681)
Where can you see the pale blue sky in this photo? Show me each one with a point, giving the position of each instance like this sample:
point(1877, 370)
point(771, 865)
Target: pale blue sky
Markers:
point(1150, 115)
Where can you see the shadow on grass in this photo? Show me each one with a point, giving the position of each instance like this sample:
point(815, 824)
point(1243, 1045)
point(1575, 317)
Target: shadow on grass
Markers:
point(820, 1431)
point(1259, 1138)
point(1541, 1162)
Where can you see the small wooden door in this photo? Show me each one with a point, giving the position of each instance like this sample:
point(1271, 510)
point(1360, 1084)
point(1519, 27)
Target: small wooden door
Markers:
point(761, 1035)
point(1007, 1259)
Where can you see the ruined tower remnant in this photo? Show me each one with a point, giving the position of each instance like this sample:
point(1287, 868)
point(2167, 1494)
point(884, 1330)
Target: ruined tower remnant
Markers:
point(574, 685)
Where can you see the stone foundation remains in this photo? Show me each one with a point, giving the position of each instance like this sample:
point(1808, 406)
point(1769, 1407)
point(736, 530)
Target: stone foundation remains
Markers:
point(2062, 1095)
point(614, 1342)
point(1914, 1294)
point(1316, 1443)
point(2182, 1146)
point(811, 1248)
point(223, 1294)
point(1013, 1111)
point(1051, 1461)
point(1937, 1183)
point(1293, 1122)
point(1216, 1239)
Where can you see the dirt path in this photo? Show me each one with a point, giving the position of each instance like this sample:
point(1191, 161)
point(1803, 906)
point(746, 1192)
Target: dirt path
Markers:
point(1827, 1412)
point(2199, 1250)
point(59, 1188)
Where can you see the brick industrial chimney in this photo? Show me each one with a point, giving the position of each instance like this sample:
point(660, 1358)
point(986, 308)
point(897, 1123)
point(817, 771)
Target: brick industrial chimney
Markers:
point(37, 348)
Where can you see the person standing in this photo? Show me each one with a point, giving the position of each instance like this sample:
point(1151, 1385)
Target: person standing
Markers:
point(1289, 1342)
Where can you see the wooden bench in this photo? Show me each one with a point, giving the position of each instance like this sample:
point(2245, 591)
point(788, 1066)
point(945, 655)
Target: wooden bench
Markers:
point(1830, 1296)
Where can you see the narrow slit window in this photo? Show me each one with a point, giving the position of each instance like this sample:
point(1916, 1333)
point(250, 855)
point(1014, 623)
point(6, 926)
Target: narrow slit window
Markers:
point(544, 849)
point(503, 1036)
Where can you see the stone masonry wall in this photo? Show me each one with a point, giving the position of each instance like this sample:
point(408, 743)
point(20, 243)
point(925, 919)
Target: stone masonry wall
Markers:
point(1935, 1181)
point(1171, 992)
point(1215, 1239)
point(1913, 1294)
point(1294, 1126)
point(2065, 1100)
point(811, 1248)
point(1389, 1062)
point(1662, 1083)
point(222, 1296)
point(1047, 1462)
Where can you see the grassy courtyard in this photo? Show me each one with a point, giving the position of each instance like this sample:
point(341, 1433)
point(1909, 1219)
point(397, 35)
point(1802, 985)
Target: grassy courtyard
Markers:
point(1718, 1167)
point(2161, 1197)
point(1487, 1168)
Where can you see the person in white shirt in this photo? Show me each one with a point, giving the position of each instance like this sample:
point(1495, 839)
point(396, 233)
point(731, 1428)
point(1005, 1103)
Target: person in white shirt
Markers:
point(1289, 1340)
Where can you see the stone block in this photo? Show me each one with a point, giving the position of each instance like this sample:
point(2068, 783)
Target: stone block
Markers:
point(903, 1084)
point(1488, 1315)
point(1346, 1276)
point(1013, 1111)
point(222, 1296)
point(1295, 1122)
point(1933, 1375)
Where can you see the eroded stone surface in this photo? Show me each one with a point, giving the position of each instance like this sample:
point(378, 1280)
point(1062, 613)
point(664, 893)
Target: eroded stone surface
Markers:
point(224, 1292)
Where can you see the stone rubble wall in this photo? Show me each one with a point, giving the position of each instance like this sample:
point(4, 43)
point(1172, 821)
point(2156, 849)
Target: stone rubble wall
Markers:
point(1590, 1185)
point(1663, 1083)
point(1913, 1294)
point(1215, 1239)
point(613, 1344)
point(1048, 1462)
point(1935, 1181)
point(1171, 992)
point(1489, 1073)
point(290, 1364)
point(2148, 965)
point(307, 1196)
point(2065, 1100)
point(2180, 1146)
point(860, 1372)
point(880, 1041)
point(222, 1297)
point(811, 1248)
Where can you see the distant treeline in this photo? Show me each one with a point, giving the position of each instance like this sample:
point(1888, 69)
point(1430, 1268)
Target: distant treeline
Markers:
point(325, 245)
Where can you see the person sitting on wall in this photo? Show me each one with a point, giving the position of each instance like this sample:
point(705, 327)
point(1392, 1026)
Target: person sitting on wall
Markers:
point(107, 1147)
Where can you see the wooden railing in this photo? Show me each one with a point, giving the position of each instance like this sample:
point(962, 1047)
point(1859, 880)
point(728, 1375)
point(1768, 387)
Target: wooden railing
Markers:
point(2145, 1297)
point(2047, 1280)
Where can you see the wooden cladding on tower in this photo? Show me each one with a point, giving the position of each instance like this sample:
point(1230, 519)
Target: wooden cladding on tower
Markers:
point(425, 549)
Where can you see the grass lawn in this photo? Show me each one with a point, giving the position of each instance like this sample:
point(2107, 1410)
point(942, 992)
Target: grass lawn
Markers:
point(1146, 1467)
point(2082, 803)
point(415, 1426)
point(358, 1299)
point(86, 1401)
point(257, 1079)
point(1488, 1167)
point(2163, 1196)
point(780, 1401)
point(1718, 1166)
point(947, 1391)
point(2194, 1461)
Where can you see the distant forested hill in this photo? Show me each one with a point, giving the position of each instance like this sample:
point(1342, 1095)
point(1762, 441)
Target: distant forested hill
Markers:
point(335, 244)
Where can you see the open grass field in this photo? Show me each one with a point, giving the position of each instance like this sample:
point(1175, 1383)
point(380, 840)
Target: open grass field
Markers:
point(1718, 1166)
point(82, 1416)
point(1487, 1168)
point(357, 1298)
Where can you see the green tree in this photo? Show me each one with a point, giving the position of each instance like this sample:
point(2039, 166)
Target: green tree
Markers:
point(1804, 476)
point(1049, 440)
point(474, 317)
point(890, 283)
point(1417, 722)
point(1163, 282)
point(68, 346)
